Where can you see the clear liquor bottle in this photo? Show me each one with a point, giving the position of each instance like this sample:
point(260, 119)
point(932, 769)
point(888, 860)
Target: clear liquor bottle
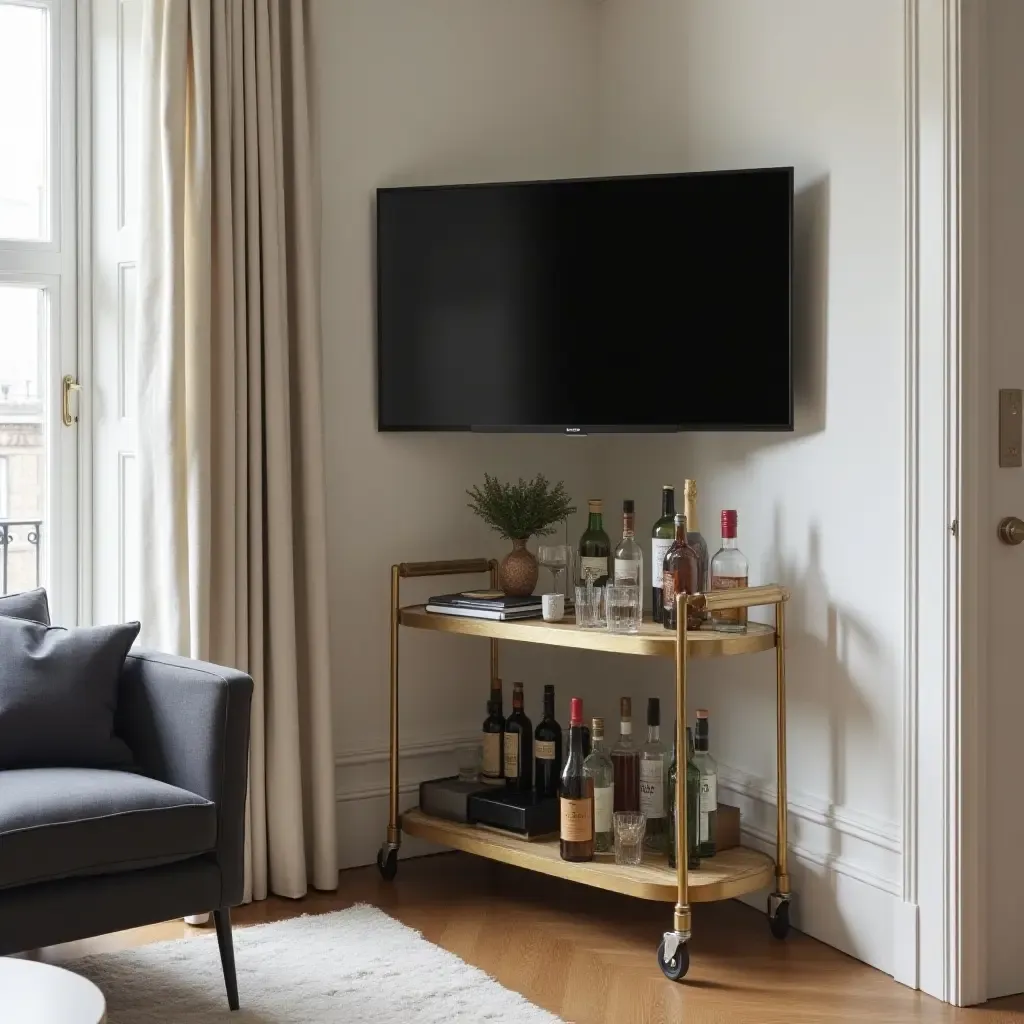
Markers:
point(653, 780)
point(626, 760)
point(598, 767)
point(629, 558)
point(707, 810)
point(729, 569)
point(595, 547)
point(663, 534)
point(693, 535)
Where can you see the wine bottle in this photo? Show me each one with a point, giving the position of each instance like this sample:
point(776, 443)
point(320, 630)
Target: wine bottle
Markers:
point(662, 536)
point(493, 773)
point(547, 748)
point(629, 559)
point(598, 768)
point(707, 823)
point(575, 796)
point(626, 759)
point(692, 801)
point(595, 547)
point(693, 535)
point(653, 776)
point(518, 743)
point(729, 569)
point(670, 803)
point(680, 576)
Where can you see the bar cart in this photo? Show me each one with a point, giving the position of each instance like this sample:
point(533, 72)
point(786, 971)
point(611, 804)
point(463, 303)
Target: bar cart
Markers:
point(729, 874)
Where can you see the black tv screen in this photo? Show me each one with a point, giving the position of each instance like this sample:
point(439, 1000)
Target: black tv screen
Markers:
point(640, 303)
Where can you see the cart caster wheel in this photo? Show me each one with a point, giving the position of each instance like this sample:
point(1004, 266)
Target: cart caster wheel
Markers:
point(387, 863)
point(676, 968)
point(778, 922)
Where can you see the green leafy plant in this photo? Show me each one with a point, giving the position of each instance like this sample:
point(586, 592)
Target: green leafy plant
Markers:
point(521, 510)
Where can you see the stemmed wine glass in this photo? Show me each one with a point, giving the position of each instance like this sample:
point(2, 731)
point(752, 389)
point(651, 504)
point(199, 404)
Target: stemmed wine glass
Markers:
point(554, 558)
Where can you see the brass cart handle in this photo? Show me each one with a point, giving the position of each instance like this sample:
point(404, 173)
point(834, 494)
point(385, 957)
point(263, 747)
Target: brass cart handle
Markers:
point(458, 567)
point(740, 597)
point(68, 384)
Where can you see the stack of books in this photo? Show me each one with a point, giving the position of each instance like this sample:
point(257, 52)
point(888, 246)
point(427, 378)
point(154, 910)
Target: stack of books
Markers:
point(486, 604)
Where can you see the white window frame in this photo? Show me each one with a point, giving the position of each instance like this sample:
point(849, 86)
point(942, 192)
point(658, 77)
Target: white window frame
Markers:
point(52, 264)
point(4, 485)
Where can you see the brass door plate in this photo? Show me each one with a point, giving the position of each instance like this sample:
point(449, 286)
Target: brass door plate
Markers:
point(1010, 440)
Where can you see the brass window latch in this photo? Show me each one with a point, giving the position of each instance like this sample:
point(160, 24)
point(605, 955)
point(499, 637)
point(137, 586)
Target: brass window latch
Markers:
point(69, 384)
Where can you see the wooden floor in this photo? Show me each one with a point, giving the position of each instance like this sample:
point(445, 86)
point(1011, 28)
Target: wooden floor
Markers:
point(589, 956)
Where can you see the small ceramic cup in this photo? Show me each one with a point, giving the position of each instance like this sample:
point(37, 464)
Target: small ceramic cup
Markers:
point(553, 607)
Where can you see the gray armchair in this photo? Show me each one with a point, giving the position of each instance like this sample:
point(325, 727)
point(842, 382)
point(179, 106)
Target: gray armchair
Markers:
point(87, 851)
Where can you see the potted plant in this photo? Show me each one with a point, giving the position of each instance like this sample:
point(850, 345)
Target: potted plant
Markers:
point(518, 512)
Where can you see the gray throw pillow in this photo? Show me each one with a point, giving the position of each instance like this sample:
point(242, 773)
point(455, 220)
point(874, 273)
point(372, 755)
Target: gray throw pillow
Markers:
point(32, 604)
point(58, 695)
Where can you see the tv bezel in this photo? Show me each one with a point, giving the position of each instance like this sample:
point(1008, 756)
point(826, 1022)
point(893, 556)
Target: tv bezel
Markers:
point(583, 429)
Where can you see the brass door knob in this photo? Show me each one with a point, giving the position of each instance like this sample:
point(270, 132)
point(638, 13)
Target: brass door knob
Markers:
point(1011, 530)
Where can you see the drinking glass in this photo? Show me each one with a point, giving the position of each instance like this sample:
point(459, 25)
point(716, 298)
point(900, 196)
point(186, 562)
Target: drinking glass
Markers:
point(623, 608)
point(554, 558)
point(590, 612)
point(629, 836)
point(468, 759)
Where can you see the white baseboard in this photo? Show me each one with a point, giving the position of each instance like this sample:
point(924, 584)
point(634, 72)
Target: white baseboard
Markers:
point(905, 943)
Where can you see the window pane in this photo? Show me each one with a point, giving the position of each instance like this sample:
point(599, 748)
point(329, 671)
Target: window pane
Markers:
point(24, 116)
point(23, 330)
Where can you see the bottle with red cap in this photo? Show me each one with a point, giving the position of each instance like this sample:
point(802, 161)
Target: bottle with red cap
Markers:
point(576, 795)
point(729, 569)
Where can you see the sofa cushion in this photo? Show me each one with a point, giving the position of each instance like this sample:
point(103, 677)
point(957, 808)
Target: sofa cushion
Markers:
point(58, 695)
point(32, 604)
point(62, 822)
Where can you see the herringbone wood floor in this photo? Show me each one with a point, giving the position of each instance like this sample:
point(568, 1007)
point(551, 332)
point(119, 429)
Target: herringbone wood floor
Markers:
point(589, 956)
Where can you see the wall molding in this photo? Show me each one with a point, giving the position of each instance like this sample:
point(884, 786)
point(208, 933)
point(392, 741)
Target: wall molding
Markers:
point(413, 748)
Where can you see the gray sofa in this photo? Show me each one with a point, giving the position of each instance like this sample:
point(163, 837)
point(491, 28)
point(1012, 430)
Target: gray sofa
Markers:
point(89, 851)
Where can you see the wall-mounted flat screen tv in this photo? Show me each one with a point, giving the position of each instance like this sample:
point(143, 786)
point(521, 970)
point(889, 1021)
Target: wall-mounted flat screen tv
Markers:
point(654, 303)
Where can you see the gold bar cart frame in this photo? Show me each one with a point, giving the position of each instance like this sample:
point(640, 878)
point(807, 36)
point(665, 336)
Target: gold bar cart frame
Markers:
point(776, 596)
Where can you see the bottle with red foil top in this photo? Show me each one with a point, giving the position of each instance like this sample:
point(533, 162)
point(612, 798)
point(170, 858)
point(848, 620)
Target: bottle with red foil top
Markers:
point(575, 796)
point(729, 570)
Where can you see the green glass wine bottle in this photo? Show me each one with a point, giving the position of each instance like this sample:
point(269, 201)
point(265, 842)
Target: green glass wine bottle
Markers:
point(662, 536)
point(595, 547)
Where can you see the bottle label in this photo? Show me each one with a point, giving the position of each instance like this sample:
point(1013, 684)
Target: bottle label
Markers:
point(668, 591)
point(604, 802)
point(576, 819)
point(738, 615)
point(511, 755)
point(544, 750)
point(626, 728)
point(594, 567)
point(659, 549)
point(652, 788)
point(627, 570)
point(492, 767)
point(703, 828)
point(708, 793)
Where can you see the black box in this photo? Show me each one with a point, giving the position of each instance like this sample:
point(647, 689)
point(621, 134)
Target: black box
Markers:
point(448, 798)
point(526, 814)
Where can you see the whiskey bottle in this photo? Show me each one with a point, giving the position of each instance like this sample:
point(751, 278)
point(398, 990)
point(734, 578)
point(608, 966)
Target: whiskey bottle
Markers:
point(493, 773)
point(575, 796)
point(629, 559)
point(598, 768)
point(729, 569)
point(547, 748)
point(707, 810)
point(518, 744)
point(680, 575)
point(653, 778)
point(595, 547)
point(662, 536)
point(693, 535)
point(626, 760)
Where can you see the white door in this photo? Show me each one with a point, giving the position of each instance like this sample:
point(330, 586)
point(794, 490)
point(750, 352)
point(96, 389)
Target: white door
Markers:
point(1003, 635)
point(38, 302)
point(115, 39)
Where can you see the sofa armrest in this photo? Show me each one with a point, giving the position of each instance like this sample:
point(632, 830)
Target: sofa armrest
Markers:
point(187, 724)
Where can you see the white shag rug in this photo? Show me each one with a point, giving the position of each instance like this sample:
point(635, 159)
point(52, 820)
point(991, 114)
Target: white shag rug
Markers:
point(355, 966)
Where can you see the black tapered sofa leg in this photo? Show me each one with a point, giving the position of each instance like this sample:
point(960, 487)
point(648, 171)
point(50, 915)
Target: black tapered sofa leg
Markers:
point(222, 918)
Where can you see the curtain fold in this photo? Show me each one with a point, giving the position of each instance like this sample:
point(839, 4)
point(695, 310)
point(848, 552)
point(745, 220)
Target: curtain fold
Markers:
point(231, 463)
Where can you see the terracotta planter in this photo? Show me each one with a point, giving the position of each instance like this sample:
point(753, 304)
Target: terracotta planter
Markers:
point(517, 573)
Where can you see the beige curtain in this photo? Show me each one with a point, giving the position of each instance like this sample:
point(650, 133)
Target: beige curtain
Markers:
point(231, 445)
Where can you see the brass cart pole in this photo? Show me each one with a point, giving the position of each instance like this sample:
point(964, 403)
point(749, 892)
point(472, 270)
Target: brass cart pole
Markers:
point(494, 641)
point(781, 871)
point(393, 832)
point(681, 918)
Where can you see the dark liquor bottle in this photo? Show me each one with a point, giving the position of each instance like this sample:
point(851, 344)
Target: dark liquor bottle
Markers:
point(493, 773)
point(653, 778)
point(595, 548)
point(692, 801)
point(693, 535)
point(662, 536)
point(626, 760)
point(518, 745)
point(547, 748)
point(575, 796)
point(680, 575)
point(692, 779)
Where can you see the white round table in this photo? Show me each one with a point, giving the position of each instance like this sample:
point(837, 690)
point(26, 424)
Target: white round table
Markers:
point(38, 993)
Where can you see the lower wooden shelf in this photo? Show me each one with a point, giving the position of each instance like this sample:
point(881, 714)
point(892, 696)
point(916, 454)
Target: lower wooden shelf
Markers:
point(728, 874)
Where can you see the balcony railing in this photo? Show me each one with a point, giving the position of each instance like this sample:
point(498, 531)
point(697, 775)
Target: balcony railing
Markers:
point(19, 549)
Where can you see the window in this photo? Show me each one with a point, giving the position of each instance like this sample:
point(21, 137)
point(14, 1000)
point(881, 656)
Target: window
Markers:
point(4, 499)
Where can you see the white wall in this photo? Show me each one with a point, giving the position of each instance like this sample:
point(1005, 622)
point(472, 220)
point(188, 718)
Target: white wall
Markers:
point(411, 92)
point(692, 85)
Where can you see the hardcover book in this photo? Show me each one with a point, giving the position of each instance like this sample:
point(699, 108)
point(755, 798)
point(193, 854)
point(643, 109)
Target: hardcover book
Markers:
point(486, 604)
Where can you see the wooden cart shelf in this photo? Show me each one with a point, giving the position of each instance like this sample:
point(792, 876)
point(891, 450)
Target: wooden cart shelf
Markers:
point(728, 874)
point(653, 638)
